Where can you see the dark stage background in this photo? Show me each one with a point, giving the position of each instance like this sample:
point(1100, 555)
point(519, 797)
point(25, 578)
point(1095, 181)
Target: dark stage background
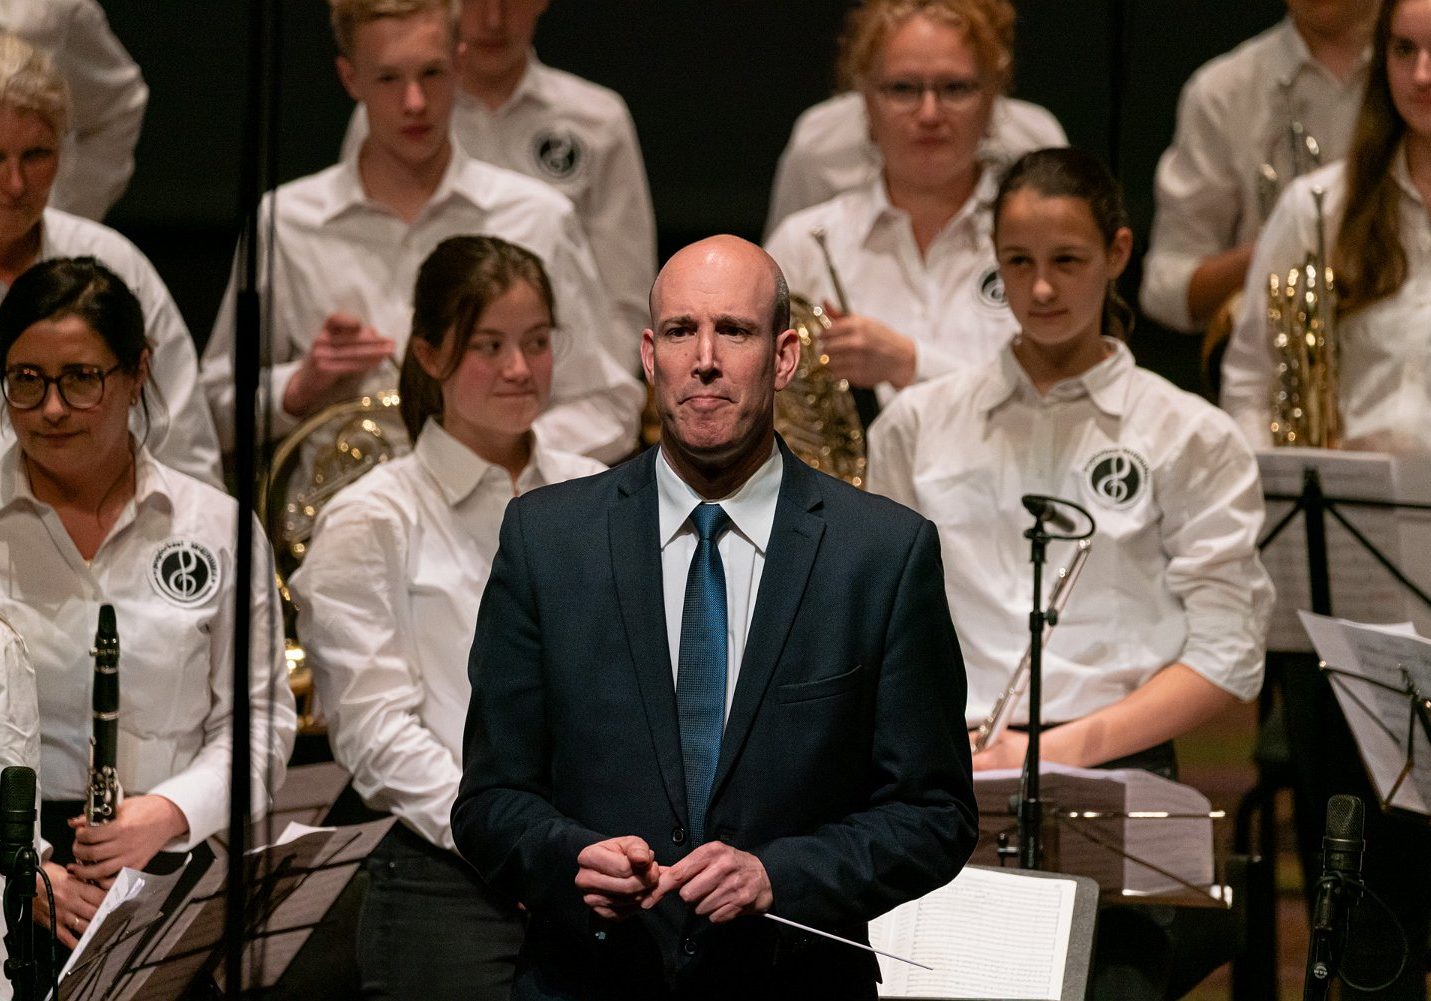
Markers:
point(714, 86)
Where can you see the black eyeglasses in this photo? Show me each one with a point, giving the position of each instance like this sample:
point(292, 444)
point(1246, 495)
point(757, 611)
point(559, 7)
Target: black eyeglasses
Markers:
point(81, 386)
point(906, 95)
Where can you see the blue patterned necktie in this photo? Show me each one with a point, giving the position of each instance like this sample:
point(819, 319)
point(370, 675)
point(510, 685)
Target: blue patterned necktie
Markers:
point(701, 666)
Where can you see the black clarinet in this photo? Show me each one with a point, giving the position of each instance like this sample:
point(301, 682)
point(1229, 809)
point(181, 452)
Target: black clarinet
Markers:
point(104, 789)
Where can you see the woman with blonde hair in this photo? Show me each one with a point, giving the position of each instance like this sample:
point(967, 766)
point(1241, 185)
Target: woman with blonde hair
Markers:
point(912, 247)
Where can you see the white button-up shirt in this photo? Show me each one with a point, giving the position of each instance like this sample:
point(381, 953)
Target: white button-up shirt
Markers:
point(1385, 348)
point(107, 94)
point(1233, 116)
point(950, 302)
point(1173, 575)
point(742, 552)
point(19, 703)
point(167, 567)
point(830, 150)
point(578, 137)
point(387, 601)
point(335, 249)
point(181, 432)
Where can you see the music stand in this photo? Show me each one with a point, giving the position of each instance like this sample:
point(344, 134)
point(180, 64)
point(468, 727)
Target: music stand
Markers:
point(1382, 680)
point(162, 932)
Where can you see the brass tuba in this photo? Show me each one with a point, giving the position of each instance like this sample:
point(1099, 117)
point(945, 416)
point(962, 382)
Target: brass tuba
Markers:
point(328, 451)
point(1301, 325)
point(816, 413)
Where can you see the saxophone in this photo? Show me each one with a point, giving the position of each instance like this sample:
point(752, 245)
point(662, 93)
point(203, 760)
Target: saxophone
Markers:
point(1301, 325)
point(105, 793)
point(997, 721)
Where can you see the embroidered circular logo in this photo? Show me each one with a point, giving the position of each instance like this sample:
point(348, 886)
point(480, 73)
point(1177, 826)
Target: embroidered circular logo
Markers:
point(184, 572)
point(1117, 477)
point(559, 154)
point(991, 288)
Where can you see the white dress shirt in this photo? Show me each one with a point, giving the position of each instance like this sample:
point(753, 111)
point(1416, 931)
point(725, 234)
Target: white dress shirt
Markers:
point(182, 433)
point(167, 567)
point(1233, 116)
point(578, 137)
point(107, 97)
point(830, 150)
point(387, 600)
point(19, 729)
point(1173, 575)
point(742, 552)
point(1385, 348)
point(950, 302)
point(336, 249)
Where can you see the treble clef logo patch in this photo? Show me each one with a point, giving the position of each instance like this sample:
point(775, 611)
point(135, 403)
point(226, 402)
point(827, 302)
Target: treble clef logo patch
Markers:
point(184, 573)
point(1117, 477)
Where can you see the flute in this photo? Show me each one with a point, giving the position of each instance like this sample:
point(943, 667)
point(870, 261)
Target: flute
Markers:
point(104, 793)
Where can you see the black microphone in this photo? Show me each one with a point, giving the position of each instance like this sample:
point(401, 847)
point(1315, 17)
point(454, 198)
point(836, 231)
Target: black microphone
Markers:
point(17, 815)
point(1337, 892)
point(1048, 509)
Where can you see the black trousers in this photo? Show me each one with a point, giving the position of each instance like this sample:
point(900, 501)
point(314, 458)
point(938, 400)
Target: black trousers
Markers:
point(430, 930)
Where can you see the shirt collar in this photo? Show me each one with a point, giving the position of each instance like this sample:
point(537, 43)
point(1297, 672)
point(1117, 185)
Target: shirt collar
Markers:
point(751, 508)
point(1105, 383)
point(1294, 56)
point(456, 469)
point(345, 190)
point(879, 210)
point(1402, 173)
point(151, 481)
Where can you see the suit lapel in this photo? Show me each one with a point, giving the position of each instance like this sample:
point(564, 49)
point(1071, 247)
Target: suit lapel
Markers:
point(794, 541)
point(634, 529)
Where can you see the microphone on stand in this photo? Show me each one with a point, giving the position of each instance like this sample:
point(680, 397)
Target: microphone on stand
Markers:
point(1338, 891)
point(18, 862)
point(1050, 510)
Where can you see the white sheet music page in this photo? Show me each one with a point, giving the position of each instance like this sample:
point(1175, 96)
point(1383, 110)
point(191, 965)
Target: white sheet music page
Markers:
point(1361, 587)
point(987, 934)
point(1379, 718)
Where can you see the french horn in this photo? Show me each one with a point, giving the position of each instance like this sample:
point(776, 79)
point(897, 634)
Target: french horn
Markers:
point(326, 452)
point(816, 412)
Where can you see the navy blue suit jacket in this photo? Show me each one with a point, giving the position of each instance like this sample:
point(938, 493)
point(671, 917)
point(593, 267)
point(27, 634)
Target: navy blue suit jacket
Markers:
point(844, 765)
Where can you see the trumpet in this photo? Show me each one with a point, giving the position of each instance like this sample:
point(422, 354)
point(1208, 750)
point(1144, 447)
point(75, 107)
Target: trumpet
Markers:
point(997, 721)
point(1301, 324)
point(104, 793)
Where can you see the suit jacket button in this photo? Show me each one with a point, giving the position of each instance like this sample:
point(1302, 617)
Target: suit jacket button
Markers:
point(689, 947)
point(678, 836)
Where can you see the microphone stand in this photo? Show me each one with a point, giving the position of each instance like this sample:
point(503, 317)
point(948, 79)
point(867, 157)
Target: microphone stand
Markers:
point(20, 968)
point(1030, 811)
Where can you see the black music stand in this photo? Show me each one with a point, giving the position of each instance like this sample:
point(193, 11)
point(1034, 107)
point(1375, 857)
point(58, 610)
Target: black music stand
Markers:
point(156, 943)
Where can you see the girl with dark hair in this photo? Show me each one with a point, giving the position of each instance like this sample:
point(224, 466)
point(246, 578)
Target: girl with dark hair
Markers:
point(388, 594)
point(1173, 572)
point(1164, 629)
point(89, 517)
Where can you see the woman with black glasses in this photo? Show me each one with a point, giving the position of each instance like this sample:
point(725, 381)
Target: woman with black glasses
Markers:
point(89, 517)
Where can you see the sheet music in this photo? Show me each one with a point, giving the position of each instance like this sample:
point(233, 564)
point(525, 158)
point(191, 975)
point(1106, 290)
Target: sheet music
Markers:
point(987, 934)
point(1361, 587)
point(1380, 719)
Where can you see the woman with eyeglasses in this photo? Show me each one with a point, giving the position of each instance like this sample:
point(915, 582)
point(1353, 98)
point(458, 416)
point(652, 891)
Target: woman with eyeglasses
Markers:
point(35, 114)
point(388, 594)
point(912, 248)
point(89, 517)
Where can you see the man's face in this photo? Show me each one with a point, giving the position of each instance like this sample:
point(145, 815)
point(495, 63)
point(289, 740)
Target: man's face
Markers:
point(1332, 17)
point(29, 160)
point(497, 35)
point(402, 71)
point(711, 357)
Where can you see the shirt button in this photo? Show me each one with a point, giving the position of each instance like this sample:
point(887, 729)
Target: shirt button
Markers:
point(678, 836)
point(689, 947)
